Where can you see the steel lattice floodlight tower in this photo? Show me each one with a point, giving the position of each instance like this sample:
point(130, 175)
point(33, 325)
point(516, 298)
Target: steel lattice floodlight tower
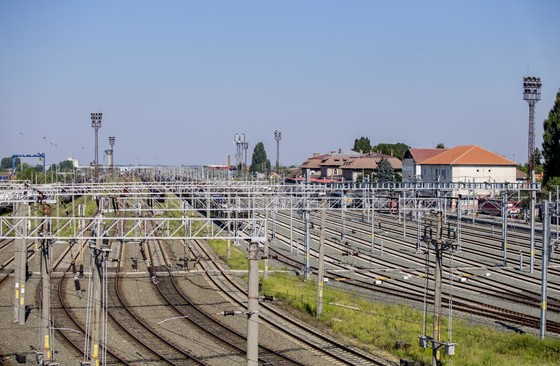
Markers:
point(111, 161)
point(532, 94)
point(277, 137)
point(245, 145)
point(239, 140)
point(96, 124)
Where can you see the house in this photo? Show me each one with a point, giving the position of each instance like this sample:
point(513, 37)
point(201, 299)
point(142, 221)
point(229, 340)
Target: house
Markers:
point(364, 164)
point(412, 162)
point(326, 165)
point(469, 163)
point(311, 167)
point(331, 166)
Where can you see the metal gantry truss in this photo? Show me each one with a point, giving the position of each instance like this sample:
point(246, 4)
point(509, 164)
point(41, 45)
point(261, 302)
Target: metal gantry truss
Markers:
point(173, 208)
point(208, 209)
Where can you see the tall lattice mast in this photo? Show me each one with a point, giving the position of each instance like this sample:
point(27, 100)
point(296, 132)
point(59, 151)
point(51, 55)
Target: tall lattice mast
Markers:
point(277, 137)
point(532, 94)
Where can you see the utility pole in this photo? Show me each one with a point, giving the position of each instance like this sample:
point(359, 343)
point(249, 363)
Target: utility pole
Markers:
point(20, 272)
point(228, 243)
point(46, 245)
point(372, 221)
point(265, 254)
point(504, 226)
point(439, 246)
point(545, 260)
point(253, 306)
point(342, 217)
point(437, 289)
point(98, 260)
point(321, 267)
point(306, 219)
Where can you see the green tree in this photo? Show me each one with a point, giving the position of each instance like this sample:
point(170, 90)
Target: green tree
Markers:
point(397, 150)
point(440, 145)
point(385, 172)
point(551, 141)
point(362, 144)
point(33, 174)
point(7, 162)
point(65, 166)
point(259, 161)
point(552, 184)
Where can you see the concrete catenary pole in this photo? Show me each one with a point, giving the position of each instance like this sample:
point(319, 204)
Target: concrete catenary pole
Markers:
point(265, 254)
point(504, 226)
point(21, 264)
point(544, 273)
point(46, 290)
point(229, 228)
point(306, 218)
point(437, 289)
point(321, 267)
point(253, 306)
point(96, 266)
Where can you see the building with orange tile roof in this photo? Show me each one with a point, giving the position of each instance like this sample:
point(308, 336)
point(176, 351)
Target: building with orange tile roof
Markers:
point(412, 162)
point(469, 163)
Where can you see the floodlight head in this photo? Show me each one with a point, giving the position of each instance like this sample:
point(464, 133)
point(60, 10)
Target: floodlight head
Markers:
point(277, 135)
point(532, 88)
point(112, 141)
point(96, 120)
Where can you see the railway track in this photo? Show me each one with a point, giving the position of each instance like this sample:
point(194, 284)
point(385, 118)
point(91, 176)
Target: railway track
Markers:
point(323, 345)
point(150, 341)
point(411, 290)
point(197, 316)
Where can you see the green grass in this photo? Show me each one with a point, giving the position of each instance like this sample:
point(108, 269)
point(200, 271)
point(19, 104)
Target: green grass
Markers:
point(238, 258)
point(378, 326)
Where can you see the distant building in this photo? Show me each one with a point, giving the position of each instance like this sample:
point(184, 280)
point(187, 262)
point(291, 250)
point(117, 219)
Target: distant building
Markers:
point(469, 163)
point(413, 160)
point(312, 167)
point(331, 166)
point(365, 164)
point(344, 165)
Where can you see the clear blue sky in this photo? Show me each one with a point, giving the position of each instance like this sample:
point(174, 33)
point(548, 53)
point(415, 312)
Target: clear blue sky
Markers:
point(175, 80)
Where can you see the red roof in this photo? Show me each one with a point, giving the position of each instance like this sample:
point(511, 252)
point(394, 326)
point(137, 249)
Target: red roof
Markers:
point(468, 155)
point(316, 180)
point(421, 155)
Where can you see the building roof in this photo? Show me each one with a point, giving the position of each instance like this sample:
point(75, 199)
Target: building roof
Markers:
point(370, 161)
point(519, 175)
point(421, 155)
point(335, 160)
point(468, 155)
point(313, 162)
